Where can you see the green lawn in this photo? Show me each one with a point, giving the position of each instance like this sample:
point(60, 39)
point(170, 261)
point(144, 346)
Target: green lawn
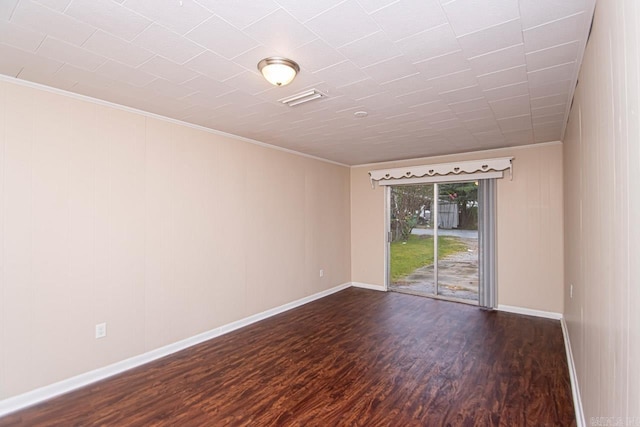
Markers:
point(418, 252)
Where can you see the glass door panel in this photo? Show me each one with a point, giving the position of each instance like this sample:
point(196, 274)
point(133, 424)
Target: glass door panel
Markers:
point(457, 231)
point(411, 247)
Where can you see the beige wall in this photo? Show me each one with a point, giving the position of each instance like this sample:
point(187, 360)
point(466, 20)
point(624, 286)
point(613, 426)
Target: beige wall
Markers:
point(602, 217)
point(161, 230)
point(530, 233)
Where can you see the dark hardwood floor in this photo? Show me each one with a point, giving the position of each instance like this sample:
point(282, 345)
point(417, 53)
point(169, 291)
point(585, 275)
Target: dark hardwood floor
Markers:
point(355, 358)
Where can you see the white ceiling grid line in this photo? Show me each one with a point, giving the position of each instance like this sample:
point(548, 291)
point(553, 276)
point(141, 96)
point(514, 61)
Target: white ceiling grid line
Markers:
point(435, 76)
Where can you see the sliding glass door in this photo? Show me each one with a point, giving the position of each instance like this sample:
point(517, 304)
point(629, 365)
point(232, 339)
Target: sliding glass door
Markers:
point(434, 240)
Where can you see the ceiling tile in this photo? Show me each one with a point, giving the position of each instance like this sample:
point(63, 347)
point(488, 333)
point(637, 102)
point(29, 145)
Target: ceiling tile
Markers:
point(418, 97)
point(391, 69)
point(316, 55)
point(459, 95)
point(562, 31)
point(490, 13)
point(361, 89)
point(547, 119)
point(125, 73)
point(59, 5)
point(6, 9)
point(214, 66)
point(166, 69)
point(221, 37)
point(538, 12)
point(442, 65)
point(240, 13)
point(74, 55)
point(103, 93)
point(493, 137)
point(519, 137)
point(86, 78)
point(371, 6)
point(515, 123)
point(109, 16)
point(305, 10)
point(38, 75)
point(43, 20)
point(509, 107)
point(429, 44)
point(167, 88)
point(179, 16)
point(201, 99)
point(375, 101)
point(344, 73)
point(502, 59)
point(408, 17)
point(555, 88)
point(553, 56)
point(117, 49)
point(281, 32)
point(503, 77)
point(482, 125)
point(406, 84)
point(446, 124)
point(483, 113)
point(454, 81)
point(168, 44)
point(470, 105)
point(551, 109)
point(459, 135)
point(20, 37)
point(370, 50)
point(508, 91)
point(207, 85)
point(12, 60)
point(492, 39)
point(239, 98)
point(551, 74)
point(434, 112)
point(335, 26)
point(547, 101)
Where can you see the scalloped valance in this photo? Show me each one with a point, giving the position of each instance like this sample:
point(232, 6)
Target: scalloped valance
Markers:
point(470, 167)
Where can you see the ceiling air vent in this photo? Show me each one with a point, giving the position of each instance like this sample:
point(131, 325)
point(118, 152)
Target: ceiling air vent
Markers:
point(302, 97)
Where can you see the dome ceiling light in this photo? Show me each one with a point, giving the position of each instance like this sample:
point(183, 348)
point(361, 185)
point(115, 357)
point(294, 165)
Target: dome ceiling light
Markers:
point(278, 71)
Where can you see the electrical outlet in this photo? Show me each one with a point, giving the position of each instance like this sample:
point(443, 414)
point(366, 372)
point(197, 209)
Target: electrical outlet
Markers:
point(321, 273)
point(101, 330)
point(571, 291)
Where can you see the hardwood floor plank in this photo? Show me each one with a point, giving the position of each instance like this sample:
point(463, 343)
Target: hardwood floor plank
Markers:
point(357, 358)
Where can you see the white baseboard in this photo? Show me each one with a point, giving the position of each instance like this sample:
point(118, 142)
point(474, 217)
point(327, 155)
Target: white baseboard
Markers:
point(530, 312)
point(575, 390)
point(41, 394)
point(368, 286)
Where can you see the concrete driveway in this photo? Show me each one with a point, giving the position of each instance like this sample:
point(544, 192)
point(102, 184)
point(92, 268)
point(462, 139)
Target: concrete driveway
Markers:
point(464, 234)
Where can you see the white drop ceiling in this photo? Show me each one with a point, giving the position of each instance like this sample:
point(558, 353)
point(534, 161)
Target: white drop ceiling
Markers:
point(435, 76)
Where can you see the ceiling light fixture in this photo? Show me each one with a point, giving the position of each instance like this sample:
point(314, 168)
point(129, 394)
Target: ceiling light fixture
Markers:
point(278, 71)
